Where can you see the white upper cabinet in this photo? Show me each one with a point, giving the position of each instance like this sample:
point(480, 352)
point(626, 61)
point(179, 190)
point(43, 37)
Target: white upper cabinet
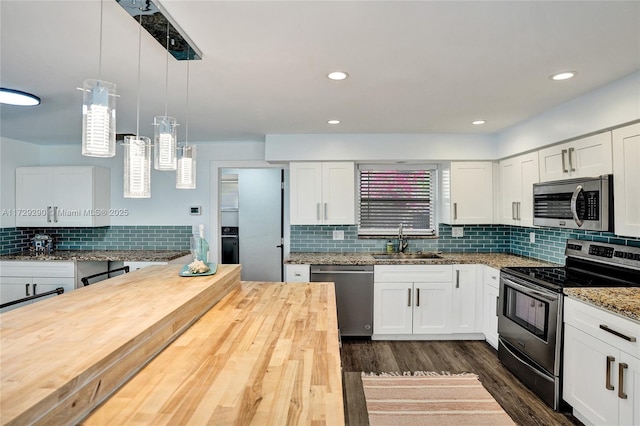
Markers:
point(471, 193)
point(517, 176)
point(322, 193)
point(63, 196)
point(586, 157)
point(626, 180)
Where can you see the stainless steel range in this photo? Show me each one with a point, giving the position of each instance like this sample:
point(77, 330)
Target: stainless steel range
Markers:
point(531, 300)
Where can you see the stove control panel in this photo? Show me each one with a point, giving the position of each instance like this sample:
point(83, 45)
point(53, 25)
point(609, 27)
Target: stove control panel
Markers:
point(601, 251)
point(613, 254)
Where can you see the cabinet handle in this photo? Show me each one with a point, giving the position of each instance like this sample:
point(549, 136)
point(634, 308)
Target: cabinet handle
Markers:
point(34, 289)
point(457, 278)
point(318, 211)
point(497, 306)
point(408, 297)
point(417, 297)
point(608, 384)
point(621, 367)
point(617, 333)
point(564, 166)
point(571, 168)
point(519, 205)
point(326, 216)
point(455, 211)
point(26, 289)
point(513, 210)
point(48, 214)
point(297, 274)
point(55, 214)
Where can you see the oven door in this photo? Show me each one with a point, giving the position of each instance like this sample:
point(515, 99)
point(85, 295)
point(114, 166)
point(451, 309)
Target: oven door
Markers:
point(529, 320)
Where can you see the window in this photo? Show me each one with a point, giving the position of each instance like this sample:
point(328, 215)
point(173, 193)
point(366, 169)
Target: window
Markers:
point(390, 196)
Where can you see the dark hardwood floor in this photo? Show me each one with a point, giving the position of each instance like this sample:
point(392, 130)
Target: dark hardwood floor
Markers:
point(477, 357)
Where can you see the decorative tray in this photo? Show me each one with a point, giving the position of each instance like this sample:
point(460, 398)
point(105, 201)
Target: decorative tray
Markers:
point(213, 267)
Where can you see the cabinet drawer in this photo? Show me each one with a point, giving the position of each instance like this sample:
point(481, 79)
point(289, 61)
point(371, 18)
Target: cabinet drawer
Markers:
point(28, 268)
point(413, 273)
point(492, 277)
point(591, 320)
point(297, 273)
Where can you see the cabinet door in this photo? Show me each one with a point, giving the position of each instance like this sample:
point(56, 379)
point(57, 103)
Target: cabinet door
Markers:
point(529, 174)
point(626, 180)
point(630, 407)
point(14, 288)
point(43, 285)
point(509, 190)
point(585, 377)
point(432, 308)
point(393, 308)
point(591, 156)
point(34, 196)
point(490, 323)
point(464, 288)
point(305, 193)
point(472, 192)
point(73, 195)
point(338, 193)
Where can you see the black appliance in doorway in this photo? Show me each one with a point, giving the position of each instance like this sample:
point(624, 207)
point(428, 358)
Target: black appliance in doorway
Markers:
point(230, 244)
point(530, 305)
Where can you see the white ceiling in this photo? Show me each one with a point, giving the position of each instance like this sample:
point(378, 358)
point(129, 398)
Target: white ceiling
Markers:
point(415, 67)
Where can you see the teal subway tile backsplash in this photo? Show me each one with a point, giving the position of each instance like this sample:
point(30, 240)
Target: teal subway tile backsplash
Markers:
point(549, 243)
point(142, 237)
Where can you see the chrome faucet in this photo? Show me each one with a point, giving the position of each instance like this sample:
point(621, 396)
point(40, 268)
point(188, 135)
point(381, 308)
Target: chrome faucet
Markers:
point(402, 244)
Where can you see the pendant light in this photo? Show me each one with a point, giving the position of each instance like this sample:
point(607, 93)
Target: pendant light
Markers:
point(164, 135)
point(137, 151)
point(186, 167)
point(99, 112)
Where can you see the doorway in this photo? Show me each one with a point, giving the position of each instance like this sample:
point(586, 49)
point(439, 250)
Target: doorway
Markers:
point(257, 218)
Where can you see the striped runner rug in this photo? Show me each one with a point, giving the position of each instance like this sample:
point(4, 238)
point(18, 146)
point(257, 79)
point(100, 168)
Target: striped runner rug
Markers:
point(428, 398)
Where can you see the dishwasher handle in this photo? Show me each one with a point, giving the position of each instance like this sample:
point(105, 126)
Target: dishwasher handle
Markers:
point(347, 269)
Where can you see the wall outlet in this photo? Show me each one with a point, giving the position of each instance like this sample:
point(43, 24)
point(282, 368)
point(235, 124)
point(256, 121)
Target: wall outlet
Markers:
point(338, 235)
point(457, 231)
point(532, 237)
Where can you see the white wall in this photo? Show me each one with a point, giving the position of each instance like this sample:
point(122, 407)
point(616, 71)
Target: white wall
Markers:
point(167, 205)
point(13, 154)
point(608, 106)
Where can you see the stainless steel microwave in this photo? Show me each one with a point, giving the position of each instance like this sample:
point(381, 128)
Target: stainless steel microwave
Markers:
point(583, 203)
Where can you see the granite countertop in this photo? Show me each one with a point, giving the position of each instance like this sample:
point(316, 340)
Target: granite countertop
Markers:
point(495, 260)
point(622, 301)
point(101, 255)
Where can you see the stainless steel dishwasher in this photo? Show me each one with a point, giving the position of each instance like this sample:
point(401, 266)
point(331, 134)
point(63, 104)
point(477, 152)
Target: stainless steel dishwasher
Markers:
point(354, 296)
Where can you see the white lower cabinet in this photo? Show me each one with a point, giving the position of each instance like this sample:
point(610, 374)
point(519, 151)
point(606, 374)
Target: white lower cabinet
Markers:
point(491, 289)
point(297, 273)
point(21, 279)
point(425, 302)
point(601, 378)
point(134, 266)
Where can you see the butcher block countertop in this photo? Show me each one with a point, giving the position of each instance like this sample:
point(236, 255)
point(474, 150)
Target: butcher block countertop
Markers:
point(495, 260)
point(181, 350)
point(101, 255)
point(267, 354)
point(622, 301)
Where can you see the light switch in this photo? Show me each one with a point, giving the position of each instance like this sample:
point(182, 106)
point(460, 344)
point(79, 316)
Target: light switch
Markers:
point(457, 231)
point(532, 237)
point(338, 235)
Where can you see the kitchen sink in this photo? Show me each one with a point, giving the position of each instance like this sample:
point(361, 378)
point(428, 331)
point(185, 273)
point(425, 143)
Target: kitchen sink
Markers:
point(407, 256)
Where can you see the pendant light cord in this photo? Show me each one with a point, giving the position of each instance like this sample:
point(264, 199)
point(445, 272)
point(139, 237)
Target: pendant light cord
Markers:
point(100, 49)
point(186, 132)
point(139, 60)
point(166, 73)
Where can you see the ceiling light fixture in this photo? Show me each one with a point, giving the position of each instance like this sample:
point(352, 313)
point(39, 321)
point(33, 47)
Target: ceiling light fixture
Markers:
point(186, 167)
point(478, 122)
point(137, 152)
point(338, 75)
point(164, 135)
point(563, 75)
point(333, 121)
point(17, 97)
point(99, 112)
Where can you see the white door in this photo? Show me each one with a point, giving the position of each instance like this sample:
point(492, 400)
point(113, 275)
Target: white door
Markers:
point(630, 407)
point(626, 180)
point(34, 196)
point(472, 192)
point(306, 193)
point(338, 193)
point(392, 308)
point(259, 223)
point(73, 189)
point(463, 315)
point(530, 174)
point(432, 308)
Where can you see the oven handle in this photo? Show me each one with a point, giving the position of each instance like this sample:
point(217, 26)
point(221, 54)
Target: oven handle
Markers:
point(574, 205)
point(530, 291)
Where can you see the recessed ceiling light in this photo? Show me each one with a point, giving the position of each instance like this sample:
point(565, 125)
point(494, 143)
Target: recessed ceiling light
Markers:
point(563, 75)
point(478, 122)
point(16, 97)
point(338, 75)
point(333, 121)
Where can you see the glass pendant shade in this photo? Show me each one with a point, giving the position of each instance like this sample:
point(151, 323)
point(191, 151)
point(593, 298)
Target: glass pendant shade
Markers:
point(99, 118)
point(186, 172)
point(137, 167)
point(164, 138)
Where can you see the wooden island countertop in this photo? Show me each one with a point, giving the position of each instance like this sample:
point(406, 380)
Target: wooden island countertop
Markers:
point(181, 351)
